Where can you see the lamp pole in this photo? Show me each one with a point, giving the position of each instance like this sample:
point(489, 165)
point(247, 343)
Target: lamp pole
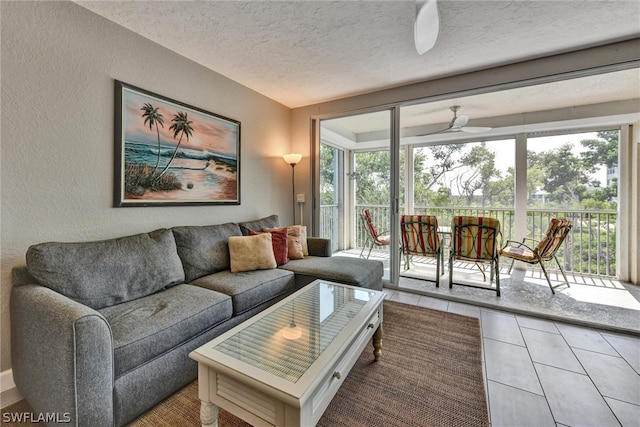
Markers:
point(293, 159)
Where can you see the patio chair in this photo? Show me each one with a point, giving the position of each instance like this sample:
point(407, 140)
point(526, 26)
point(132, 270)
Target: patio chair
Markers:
point(420, 237)
point(543, 251)
point(475, 239)
point(374, 237)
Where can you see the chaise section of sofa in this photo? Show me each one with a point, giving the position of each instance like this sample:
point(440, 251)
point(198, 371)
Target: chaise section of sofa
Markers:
point(350, 271)
point(319, 264)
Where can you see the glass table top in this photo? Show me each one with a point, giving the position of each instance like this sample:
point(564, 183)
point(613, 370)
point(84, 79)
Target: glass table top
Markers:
point(287, 340)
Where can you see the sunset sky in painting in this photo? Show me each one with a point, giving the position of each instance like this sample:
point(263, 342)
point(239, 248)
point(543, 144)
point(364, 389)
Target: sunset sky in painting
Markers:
point(209, 133)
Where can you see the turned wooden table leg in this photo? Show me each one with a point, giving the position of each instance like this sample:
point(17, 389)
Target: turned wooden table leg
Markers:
point(208, 414)
point(377, 342)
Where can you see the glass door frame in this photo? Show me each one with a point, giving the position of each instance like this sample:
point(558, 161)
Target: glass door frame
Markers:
point(394, 177)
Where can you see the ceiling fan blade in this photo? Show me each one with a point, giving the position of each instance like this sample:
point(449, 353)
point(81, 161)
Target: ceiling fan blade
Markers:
point(475, 129)
point(434, 132)
point(427, 25)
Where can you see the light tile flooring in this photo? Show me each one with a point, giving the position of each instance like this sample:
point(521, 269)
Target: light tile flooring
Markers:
point(548, 373)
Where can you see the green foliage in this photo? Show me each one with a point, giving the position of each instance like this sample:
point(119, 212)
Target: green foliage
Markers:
point(373, 181)
point(500, 190)
point(328, 170)
point(460, 175)
point(566, 177)
point(602, 151)
point(478, 173)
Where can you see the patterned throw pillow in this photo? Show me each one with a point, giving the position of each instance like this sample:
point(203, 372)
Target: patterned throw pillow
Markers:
point(301, 232)
point(279, 242)
point(296, 241)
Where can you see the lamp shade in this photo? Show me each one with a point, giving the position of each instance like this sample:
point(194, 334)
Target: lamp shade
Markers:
point(292, 158)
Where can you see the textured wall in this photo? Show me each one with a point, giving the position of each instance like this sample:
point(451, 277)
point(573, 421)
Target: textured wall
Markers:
point(58, 65)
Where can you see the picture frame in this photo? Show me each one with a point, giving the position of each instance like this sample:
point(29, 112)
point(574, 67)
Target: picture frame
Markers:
point(168, 153)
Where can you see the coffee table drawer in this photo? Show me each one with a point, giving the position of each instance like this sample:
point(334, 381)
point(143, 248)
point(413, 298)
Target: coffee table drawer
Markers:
point(330, 384)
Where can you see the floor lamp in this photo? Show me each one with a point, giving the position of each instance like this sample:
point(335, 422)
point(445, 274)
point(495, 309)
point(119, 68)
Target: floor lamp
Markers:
point(293, 159)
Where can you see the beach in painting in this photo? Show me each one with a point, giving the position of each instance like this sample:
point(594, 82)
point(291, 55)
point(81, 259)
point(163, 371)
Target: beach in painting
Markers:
point(204, 175)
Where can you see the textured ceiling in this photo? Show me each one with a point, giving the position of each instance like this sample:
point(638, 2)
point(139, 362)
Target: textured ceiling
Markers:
point(304, 52)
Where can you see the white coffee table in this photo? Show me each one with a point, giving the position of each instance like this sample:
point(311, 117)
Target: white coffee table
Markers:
point(283, 366)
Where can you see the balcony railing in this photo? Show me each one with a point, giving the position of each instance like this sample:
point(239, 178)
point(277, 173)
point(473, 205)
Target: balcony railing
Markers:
point(590, 248)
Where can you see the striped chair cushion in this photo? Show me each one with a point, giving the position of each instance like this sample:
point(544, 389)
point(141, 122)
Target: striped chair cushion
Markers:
point(420, 235)
point(475, 238)
point(558, 230)
point(372, 231)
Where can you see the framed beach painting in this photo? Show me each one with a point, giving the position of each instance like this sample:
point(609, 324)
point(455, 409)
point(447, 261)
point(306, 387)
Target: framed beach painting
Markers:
point(169, 153)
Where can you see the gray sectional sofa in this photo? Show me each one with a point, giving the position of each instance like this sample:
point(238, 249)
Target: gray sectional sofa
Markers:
point(101, 331)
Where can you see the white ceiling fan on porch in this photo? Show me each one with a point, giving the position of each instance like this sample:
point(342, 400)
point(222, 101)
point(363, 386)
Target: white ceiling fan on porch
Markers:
point(459, 124)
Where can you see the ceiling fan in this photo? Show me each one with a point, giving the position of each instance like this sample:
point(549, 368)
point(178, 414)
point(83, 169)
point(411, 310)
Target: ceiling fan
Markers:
point(458, 124)
point(426, 26)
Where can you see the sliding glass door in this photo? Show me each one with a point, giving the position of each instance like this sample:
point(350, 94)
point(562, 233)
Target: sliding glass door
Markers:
point(331, 194)
point(357, 187)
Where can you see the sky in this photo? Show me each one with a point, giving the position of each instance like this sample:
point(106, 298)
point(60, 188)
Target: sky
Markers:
point(209, 133)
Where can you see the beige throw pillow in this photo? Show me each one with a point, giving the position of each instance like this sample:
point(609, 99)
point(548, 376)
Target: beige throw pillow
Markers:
point(250, 253)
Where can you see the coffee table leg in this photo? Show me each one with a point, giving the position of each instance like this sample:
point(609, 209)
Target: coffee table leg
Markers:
point(377, 342)
point(208, 414)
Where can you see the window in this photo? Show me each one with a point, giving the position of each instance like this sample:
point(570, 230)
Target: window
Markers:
point(575, 176)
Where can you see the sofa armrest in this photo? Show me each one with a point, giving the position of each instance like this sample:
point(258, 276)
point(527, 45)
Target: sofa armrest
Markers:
point(62, 356)
point(319, 246)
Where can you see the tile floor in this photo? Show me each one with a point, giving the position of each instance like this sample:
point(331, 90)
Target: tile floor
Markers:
point(548, 373)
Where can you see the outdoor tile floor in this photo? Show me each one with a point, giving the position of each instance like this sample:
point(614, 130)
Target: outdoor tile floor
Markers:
point(604, 303)
point(541, 372)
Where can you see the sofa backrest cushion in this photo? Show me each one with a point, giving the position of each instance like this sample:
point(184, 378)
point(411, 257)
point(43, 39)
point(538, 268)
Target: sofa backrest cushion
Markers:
point(270, 221)
point(204, 249)
point(108, 272)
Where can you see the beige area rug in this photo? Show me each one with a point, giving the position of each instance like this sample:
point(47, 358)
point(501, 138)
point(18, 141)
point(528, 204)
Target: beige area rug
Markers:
point(430, 374)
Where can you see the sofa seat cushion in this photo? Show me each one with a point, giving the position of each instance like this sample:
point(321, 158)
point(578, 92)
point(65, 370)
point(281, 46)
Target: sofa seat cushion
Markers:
point(103, 273)
point(204, 249)
point(250, 288)
point(351, 271)
point(148, 327)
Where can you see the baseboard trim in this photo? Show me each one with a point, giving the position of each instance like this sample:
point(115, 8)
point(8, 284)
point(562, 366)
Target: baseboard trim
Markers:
point(9, 393)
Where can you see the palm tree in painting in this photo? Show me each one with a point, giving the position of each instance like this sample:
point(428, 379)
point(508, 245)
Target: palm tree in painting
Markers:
point(154, 118)
point(181, 125)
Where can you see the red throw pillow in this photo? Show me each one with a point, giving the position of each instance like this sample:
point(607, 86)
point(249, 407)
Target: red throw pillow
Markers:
point(279, 243)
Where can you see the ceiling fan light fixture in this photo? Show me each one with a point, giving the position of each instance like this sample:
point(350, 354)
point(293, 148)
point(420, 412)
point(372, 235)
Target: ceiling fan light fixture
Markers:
point(460, 121)
point(426, 26)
